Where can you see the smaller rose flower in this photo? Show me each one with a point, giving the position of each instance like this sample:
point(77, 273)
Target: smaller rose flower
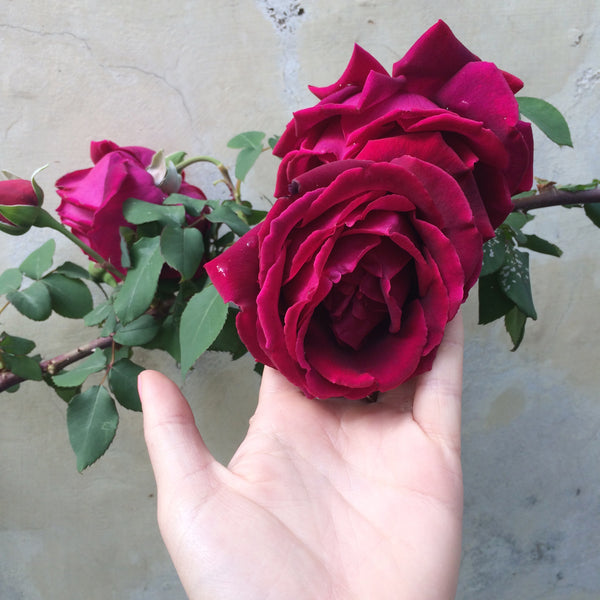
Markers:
point(92, 199)
point(19, 206)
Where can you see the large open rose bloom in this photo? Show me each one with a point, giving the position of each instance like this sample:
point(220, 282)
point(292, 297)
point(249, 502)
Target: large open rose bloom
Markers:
point(386, 192)
point(93, 198)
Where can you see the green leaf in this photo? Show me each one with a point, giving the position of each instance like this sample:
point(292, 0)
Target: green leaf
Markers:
point(272, 141)
point(138, 289)
point(138, 212)
point(70, 269)
point(34, 302)
point(228, 339)
point(514, 322)
point(71, 298)
point(176, 157)
point(247, 139)
point(513, 277)
point(518, 220)
point(99, 314)
point(167, 338)
point(580, 187)
point(224, 214)
point(193, 206)
point(493, 303)
point(256, 217)
point(245, 161)
point(538, 244)
point(593, 212)
point(122, 379)
point(64, 393)
point(110, 324)
point(76, 376)
point(201, 323)
point(10, 280)
point(16, 345)
point(39, 261)
point(251, 146)
point(183, 249)
point(493, 255)
point(137, 332)
point(547, 118)
point(92, 421)
point(225, 240)
point(23, 366)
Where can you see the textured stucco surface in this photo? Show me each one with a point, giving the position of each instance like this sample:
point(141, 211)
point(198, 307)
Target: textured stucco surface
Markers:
point(189, 76)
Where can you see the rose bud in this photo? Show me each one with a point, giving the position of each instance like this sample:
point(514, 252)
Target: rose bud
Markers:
point(19, 206)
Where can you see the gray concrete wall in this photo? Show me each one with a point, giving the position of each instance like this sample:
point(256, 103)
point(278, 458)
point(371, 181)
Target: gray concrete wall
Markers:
point(189, 75)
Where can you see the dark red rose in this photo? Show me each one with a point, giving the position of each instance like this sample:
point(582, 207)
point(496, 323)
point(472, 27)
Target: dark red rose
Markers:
point(19, 206)
point(348, 284)
point(387, 190)
point(442, 105)
point(92, 199)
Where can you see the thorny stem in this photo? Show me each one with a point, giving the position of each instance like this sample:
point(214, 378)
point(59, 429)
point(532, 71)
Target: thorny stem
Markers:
point(556, 197)
point(56, 364)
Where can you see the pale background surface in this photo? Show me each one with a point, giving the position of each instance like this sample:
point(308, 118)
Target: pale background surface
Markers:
point(189, 75)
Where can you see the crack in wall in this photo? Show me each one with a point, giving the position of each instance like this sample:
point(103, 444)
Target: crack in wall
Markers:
point(85, 43)
point(167, 83)
point(47, 33)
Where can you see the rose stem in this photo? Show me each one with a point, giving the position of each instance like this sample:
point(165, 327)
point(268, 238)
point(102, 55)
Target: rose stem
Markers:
point(557, 198)
point(56, 364)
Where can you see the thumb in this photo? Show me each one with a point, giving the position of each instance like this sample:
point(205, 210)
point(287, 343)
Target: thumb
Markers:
point(177, 452)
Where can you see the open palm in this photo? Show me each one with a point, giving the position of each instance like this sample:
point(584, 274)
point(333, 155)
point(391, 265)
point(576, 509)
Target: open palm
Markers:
point(324, 499)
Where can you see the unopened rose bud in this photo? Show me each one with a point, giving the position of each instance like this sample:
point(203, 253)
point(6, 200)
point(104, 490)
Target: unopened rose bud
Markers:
point(19, 206)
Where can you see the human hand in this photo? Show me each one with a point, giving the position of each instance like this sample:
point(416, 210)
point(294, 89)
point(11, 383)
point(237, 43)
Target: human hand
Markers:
point(324, 499)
